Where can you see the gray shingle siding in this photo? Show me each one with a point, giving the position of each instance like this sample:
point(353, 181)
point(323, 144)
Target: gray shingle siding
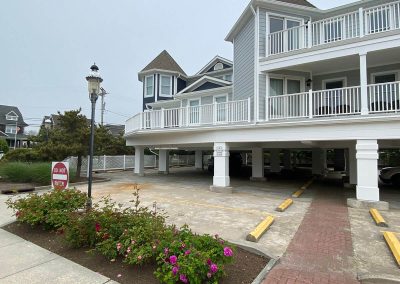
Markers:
point(262, 95)
point(243, 71)
point(262, 32)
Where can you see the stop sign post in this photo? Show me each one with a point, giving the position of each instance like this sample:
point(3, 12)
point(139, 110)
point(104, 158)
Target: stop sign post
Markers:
point(59, 175)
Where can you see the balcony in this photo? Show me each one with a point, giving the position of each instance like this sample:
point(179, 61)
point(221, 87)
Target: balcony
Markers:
point(217, 114)
point(352, 25)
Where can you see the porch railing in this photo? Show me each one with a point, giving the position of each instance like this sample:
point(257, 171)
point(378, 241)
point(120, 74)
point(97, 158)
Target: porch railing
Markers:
point(211, 114)
point(381, 98)
point(355, 24)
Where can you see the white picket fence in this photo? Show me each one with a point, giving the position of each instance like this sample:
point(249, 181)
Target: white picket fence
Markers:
point(126, 162)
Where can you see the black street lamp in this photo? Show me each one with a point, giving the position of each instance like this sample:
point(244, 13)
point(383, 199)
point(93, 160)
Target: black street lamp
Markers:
point(94, 81)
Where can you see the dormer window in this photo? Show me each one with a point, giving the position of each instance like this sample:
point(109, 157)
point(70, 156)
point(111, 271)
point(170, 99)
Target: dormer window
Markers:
point(166, 86)
point(149, 86)
point(11, 129)
point(218, 66)
point(12, 116)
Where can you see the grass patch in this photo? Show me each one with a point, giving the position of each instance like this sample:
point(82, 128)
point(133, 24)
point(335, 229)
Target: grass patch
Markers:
point(37, 173)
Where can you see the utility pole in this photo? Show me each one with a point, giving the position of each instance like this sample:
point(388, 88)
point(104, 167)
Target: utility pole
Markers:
point(103, 104)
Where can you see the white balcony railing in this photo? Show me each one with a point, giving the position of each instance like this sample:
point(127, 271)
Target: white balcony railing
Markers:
point(212, 114)
point(382, 98)
point(346, 26)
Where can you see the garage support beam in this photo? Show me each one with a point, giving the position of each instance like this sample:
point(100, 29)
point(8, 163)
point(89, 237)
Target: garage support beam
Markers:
point(163, 162)
point(364, 83)
point(367, 170)
point(139, 160)
point(287, 159)
point(352, 165)
point(221, 165)
point(318, 161)
point(198, 160)
point(275, 160)
point(257, 166)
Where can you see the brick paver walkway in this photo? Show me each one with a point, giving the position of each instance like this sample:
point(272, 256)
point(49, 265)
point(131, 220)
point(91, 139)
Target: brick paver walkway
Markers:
point(321, 250)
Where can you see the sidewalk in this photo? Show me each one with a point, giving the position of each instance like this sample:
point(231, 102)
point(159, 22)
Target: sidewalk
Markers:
point(25, 262)
point(321, 251)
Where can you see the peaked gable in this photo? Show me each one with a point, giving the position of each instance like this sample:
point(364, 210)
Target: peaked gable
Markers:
point(210, 66)
point(299, 2)
point(164, 61)
point(205, 83)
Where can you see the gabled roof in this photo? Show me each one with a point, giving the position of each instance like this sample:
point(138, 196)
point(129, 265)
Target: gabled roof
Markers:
point(164, 61)
point(299, 2)
point(204, 80)
point(4, 110)
point(214, 61)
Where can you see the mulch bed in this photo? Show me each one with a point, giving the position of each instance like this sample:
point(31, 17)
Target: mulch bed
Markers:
point(244, 270)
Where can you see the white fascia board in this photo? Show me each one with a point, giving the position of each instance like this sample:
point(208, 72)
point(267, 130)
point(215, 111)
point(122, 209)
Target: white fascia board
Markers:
point(164, 103)
point(203, 93)
point(5, 134)
point(203, 80)
point(160, 71)
point(359, 47)
point(213, 61)
point(212, 73)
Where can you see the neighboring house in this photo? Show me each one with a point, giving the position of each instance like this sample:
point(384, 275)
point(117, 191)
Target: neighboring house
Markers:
point(115, 129)
point(12, 126)
point(52, 120)
point(303, 78)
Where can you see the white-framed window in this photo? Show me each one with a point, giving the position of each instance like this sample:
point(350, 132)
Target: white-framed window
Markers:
point(165, 86)
point(228, 77)
point(11, 129)
point(149, 86)
point(334, 83)
point(385, 77)
point(282, 85)
point(291, 40)
point(12, 116)
point(218, 66)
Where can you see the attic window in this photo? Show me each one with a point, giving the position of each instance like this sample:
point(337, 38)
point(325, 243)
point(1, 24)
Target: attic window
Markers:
point(12, 116)
point(218, 66)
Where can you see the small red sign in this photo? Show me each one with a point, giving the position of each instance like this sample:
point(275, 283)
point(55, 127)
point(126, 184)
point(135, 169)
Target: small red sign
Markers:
point(60, 175)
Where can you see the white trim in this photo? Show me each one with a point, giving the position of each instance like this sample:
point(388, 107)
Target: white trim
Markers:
point(153, 71)
point(285, 18)
point(220, 96)
point(396, 72)
point(285, 78)
point(213, 62)
point(175, 85)
point(161, 85)
point(337, 79)
point(204, 93)
point(352, 69)
point(204, 79)
point(145, 95)
point(13, 116)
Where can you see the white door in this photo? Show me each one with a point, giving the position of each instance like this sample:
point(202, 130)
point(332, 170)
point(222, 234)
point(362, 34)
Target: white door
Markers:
point(220, 109)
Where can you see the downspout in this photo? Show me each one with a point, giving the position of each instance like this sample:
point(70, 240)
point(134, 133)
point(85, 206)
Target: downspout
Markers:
point(256, 61)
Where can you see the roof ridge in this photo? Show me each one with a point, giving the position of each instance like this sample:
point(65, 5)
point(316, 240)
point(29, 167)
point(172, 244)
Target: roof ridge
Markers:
point(164, 61)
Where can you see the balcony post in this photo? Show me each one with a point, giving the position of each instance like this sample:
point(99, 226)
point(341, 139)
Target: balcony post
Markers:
point(309, 34)
point(267, 81)
point(249, 109)
point(361, 19)
point(363, 83)
point(141, 121)
point(162, 118)
point(267, 31)
point(310, 103)
point(180, 116)
point(187, 114)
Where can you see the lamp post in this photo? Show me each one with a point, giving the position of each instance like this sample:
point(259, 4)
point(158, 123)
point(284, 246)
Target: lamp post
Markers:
point(94, 81)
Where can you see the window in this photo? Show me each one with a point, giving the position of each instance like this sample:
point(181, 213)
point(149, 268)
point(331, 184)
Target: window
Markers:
point(12, 116)
point(218, 66)
point(194, 111)
point(384, 78)
point(286, 85)
point(166, 86)
point(11, 129)
point(149, 86)
point(290, 40)
point(228, 77)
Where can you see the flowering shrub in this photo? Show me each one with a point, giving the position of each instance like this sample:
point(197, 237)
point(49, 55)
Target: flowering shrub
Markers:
point(50, 209)
point(191, 258)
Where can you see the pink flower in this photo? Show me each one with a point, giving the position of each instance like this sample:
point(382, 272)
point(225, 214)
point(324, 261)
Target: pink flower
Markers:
point(119, 275)
point(187, 252)
point(128, 250)
point(183, 245)
point(98, 227)
point(173, 259)
point(183, 278)
point(139, 257)
point(228, 251)
point(213, 268)
point(175, 270)
point(166, 251)
point(119, 246)
point(17, 214)
point(133, 242)
point(209, 275)
point(209, 262)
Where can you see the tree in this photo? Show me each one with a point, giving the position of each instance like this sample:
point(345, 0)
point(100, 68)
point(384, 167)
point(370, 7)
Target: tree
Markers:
point(3, 146)
point(107, 144)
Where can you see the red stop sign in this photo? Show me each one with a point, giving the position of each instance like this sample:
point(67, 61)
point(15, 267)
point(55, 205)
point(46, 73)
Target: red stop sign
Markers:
point(59, 175)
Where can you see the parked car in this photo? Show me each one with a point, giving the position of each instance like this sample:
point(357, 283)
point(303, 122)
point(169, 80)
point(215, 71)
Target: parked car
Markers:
point(235, 163)
point(390, 175)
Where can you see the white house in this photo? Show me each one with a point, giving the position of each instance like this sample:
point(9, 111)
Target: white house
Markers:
point(302, 78)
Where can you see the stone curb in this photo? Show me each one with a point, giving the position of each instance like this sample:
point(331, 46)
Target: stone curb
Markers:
point(378, 279)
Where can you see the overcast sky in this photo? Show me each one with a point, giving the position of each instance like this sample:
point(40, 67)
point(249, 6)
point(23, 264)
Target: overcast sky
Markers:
point(47, 47)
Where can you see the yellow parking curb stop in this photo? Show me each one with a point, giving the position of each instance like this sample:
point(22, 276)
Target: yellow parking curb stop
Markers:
point(285, 204)
point(255, 235)
point(378, 218)
point(394, 245)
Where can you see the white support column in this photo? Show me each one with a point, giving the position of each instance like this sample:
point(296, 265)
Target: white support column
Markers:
point(364, 83)
point(267, 88)
point(163, 162)
point(287, 159)
point(257, 165)
point(318, 161)
point(275, 160)
point(198, 160)
point(352, 165)
point(367, 170)
point(139, 160)
point(221, 167)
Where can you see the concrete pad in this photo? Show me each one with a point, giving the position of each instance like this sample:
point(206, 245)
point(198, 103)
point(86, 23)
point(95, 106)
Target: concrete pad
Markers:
point(221, 189)
point(258, 179)
point(59, 271)
point(362, 204)
point(21, 256)
point(7, 239)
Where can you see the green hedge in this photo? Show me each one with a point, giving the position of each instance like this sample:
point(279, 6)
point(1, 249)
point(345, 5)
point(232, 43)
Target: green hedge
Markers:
point(38, 173)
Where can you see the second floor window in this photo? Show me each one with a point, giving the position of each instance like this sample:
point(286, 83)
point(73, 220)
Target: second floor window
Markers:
point(12, 116)
point(149, 86)
point(11, 129)
point(165, 86)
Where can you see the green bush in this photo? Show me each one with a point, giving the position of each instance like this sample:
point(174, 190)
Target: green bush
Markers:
point(50, 209)
point(38, 173)
point(23, 155)
point(3, 146)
